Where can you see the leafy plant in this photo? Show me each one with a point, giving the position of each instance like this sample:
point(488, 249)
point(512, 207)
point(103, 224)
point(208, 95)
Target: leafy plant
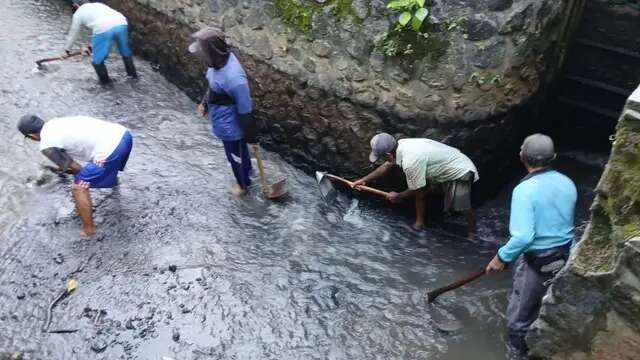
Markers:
point(413, 14)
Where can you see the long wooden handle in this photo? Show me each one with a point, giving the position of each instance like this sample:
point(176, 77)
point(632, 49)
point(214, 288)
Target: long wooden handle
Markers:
point(432, 295)
point(263, 178)
point(361, 187)
point(76, 53)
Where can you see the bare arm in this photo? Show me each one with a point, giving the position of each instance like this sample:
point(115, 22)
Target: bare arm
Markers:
point(60, 157)
point(381, 171)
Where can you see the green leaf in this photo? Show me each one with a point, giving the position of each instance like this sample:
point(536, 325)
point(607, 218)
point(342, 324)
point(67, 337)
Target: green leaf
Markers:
point(421, 14)
point(404, 18)
point(420, 3)
point(416, 24)
point(400, 4)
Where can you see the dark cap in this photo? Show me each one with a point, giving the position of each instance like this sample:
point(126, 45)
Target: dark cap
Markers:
point(381, 145)
point(538, 147)
point(30, 124)
point(211, 44)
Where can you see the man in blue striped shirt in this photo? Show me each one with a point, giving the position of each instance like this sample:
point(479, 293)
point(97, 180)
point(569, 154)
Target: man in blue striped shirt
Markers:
point(541, 226)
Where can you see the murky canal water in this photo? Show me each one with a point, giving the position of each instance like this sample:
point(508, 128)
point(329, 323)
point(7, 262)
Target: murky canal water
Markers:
point(298, 279)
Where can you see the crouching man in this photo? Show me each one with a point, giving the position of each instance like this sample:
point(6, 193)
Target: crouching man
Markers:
point(91, 149)
point(428, 165)
point(541, 227)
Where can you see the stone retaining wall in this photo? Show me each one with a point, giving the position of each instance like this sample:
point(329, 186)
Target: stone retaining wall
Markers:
point(323, 87)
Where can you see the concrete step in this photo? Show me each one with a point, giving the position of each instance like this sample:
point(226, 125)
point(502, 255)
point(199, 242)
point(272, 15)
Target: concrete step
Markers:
point(604, 66)
point(594, 93)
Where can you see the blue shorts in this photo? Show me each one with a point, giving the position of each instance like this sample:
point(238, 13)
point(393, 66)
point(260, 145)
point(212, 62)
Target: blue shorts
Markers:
point(101, 43)
point(105, 174)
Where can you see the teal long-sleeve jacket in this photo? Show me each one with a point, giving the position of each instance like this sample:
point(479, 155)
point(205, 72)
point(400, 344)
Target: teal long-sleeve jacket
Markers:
point(542, 214)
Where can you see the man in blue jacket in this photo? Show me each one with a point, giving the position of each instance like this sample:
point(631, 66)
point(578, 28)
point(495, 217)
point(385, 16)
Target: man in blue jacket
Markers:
point(541, 227)
point(228, 102)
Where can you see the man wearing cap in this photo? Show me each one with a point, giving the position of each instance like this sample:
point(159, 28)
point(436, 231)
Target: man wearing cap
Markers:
point(108, 26)
point(91, 149)
point(541, 227)
point(427, 165)
point(228, 102)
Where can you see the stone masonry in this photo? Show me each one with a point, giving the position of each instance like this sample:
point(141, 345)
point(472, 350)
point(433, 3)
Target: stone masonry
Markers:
point(323, 86)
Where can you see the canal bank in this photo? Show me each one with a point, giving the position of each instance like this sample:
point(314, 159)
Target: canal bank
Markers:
point(324, 87)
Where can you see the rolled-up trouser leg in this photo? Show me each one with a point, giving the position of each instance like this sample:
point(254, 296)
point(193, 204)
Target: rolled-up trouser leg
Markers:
point(524, 303)
point(101, 70)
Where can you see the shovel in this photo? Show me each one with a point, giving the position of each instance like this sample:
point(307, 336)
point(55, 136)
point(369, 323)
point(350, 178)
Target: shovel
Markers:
point(328, 192)
point(274, 190)
point(432, 295)
point(42, 61)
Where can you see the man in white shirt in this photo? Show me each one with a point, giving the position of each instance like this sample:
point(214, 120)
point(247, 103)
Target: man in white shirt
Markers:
point(428, 165)
point(91, 149)
point(108, 26)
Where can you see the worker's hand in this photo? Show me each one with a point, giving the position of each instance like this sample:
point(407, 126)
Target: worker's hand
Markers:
point(86, 50)
point(394, 197)
point(496, 265)
point(202, 110)
point(356, 184)
point(65, 55)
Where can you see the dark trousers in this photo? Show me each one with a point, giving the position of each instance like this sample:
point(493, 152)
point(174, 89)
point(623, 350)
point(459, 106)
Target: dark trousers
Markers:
point(529, 286)
point(240, 159)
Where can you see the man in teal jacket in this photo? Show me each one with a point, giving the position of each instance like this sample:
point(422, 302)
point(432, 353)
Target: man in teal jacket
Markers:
point(541, 227)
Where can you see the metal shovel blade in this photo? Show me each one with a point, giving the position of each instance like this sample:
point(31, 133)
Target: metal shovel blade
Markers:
point(327, 190)
point(277, 189)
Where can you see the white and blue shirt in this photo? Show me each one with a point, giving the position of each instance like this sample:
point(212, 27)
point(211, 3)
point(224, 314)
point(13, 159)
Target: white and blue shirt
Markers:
point(542, 214)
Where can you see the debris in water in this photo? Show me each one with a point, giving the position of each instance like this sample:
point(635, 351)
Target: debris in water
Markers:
point(175, 335)
point(99, 345)
point(173, 268)
point(21, 296)
point(59, 259)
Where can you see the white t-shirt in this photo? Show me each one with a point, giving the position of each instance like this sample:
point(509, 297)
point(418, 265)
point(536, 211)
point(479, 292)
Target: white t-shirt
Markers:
point(96, 16)
point(425, 160)
point(84, 138)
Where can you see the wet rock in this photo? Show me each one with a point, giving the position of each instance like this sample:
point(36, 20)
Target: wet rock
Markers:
point(99, 345)
point(21, 296)
point(309, 65)
point(517, 20)
point(321, 48)
point(479, 28)
point(129, 325)
point(175, 335)
point(499, 5)
point(489, 55)
point(173, 268)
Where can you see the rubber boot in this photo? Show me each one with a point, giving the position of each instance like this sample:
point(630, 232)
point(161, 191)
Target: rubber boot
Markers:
point(131, 69)
point(101, 70)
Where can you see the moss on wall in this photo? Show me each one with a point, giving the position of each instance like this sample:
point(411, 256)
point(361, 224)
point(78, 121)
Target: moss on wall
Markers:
point(300, 15)
point(616, 210)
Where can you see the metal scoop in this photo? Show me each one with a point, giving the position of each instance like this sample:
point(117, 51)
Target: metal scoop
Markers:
point(329, 192)
point(274, 190)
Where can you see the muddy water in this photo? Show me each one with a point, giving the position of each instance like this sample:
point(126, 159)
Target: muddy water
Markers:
point(253, 279)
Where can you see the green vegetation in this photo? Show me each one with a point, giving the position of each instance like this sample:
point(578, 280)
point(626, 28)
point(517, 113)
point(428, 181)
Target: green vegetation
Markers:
point(300, 15)
point(413, 14)
point(616, 210)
